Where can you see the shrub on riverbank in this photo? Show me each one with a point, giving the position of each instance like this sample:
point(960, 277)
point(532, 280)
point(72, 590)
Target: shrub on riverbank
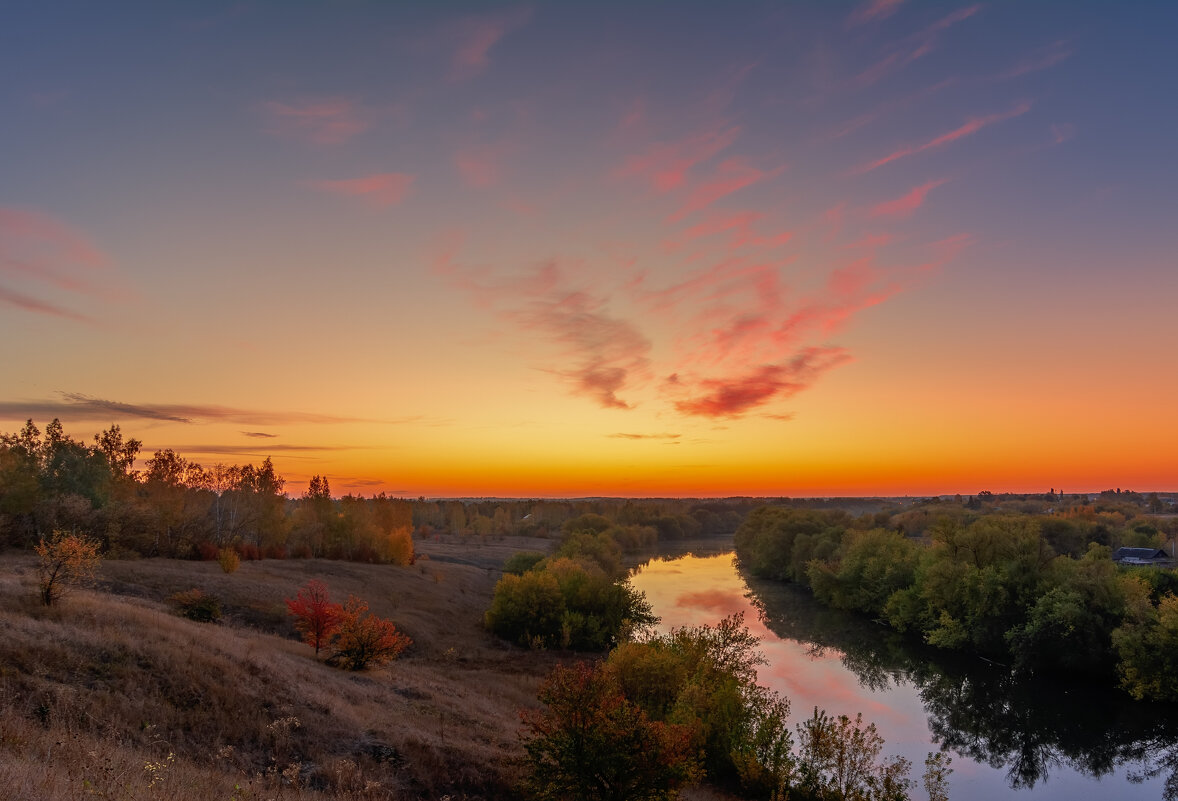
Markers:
point(659, 714)
point(564, 603)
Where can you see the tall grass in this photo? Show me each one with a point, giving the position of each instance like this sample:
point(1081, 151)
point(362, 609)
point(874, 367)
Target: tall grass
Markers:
point(111, 695)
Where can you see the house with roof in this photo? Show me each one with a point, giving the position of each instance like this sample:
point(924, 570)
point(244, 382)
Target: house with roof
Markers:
point(1143, 556)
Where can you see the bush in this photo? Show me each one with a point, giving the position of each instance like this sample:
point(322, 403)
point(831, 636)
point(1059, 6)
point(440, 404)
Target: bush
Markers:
point(399, 546)
point(197, 605)
point(206, 551)
point(64, 561)
point(316, 617)
point(228, 559)
point(567, 605)
point(364, 639)
point(522, 561)
point(527, 609)
point(590, 742)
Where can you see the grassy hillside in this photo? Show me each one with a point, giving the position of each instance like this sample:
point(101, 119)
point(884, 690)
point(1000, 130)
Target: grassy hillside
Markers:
point(111, 695)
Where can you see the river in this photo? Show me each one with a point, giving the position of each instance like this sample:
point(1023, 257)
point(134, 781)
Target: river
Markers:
point(1030, 741)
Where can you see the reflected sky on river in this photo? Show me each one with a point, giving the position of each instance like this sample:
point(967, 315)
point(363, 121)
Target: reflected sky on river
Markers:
point(1008, 738)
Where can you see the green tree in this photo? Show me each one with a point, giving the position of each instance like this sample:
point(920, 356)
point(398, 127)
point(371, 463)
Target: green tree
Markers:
point(840, 760)
point(527, 609)
point(589, 743)
point(1148, 651)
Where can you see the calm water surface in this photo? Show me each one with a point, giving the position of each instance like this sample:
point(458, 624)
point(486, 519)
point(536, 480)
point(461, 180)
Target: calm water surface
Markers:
point(1008, 739)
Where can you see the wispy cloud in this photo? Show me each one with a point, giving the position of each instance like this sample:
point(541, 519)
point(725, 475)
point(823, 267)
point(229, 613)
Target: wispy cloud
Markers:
point(259, 434)
point(873, 10)
point(77, 406)
point(733, 397)
point(912, 48)
point(739, 226)
point(477, 35)
point(971, 126)
point(327, 121)
point(43, 252)
point(665, 165)
point(30, 304)
point(1045, 58)
point(730, 176)
point(264, 451)
point(599, 354)
point(379, 190)
point(907, 203)
point(480, 166)
point(644, 436)
point(1062, 132)
point(889, 107)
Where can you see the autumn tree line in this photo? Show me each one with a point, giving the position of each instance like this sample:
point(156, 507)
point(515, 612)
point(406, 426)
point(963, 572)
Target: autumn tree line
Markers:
point(167, 505)
point(1039, 592)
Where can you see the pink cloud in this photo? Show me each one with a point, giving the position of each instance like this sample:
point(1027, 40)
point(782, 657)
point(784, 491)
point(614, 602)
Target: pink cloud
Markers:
point(380, 190)
point(37, 248)
point(739, 226)
point(635, 115)
point(477, 35)
point(53, 238)
point(480, 165)
point(912, 48)
point(329, 121)
point(871, 241)
point(28, 303)
point(734, 396)
point(665, 165)
point(1048, 57)
point(730, 176)
point(946, 22)
point(1062, 133)
point(748, 340)
point(599, 354)
point(890, 107)
point(873, 10)
point(832, 220)
point(972, 126)
point(907, 203)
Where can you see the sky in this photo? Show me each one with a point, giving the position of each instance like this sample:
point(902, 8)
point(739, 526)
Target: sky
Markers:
point(576, 249)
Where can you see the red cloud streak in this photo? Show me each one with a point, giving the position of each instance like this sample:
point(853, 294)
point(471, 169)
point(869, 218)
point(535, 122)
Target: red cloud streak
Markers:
point(665, 164)
point(731, 176)
point(380, 189)
point(735, 396)
point(331, 121)
point(872, 10)
point(906, 204)
point(478, 35)
point(972, 126)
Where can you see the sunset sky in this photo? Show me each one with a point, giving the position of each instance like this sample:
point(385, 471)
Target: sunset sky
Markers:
point(698, 249)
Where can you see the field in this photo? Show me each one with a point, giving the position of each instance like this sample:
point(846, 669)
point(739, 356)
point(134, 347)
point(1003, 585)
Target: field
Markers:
point(110, 694)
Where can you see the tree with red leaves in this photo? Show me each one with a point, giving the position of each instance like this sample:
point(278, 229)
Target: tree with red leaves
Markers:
point(316, 617)
point(365, 639)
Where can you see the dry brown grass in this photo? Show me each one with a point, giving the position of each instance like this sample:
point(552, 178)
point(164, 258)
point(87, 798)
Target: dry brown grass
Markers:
point(96, 691)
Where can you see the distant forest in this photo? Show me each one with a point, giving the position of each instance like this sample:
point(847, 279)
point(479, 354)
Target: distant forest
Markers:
point(177, 508)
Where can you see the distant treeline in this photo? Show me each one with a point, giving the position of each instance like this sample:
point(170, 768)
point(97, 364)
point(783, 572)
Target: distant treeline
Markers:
point(175, 507)
point(1037, 591)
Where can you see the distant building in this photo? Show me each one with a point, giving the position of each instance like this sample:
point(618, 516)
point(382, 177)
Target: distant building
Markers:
point(1143, 556)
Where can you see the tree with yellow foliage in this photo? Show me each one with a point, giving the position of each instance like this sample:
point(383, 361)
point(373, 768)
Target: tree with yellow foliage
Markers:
point(66, 560)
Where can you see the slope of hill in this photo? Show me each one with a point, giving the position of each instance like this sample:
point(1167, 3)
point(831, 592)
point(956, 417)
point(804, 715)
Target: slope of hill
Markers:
point(111, 695)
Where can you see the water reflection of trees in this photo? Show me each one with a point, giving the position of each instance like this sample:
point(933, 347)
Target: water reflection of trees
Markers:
point(981, 710)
